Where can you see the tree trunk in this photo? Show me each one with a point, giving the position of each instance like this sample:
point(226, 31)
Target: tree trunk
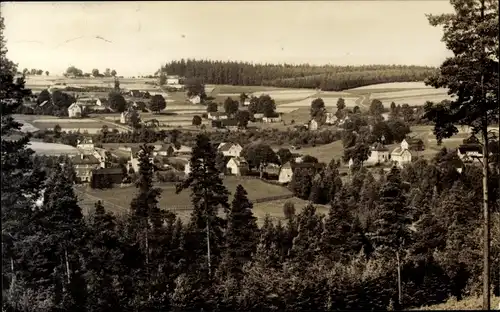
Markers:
point(400, 294)
point(68, 272)
point(208, 250)
point(486, 223)
point(13, 279)
point(147, 245)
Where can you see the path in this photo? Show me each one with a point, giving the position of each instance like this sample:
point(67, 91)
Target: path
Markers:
point(115, 125)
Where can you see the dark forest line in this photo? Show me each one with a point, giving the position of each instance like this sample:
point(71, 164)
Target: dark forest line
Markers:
point(326, 77)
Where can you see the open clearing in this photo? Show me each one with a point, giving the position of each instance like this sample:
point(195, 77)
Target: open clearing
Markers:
point(395, 85)
point(275, 208)
point(169, 200)
point(468, 303)
point(408, 93)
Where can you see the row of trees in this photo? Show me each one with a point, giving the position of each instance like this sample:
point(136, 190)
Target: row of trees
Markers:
point(33, 72)
point(295, 76)
point(76, 72)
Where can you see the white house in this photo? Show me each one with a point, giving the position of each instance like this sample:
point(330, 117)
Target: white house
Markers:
point(195, 99)
point(401, 156)
point(286, 173)
point(237, 166)
point(172, 80)
point(330, 118)
point(379, 154)
point(217, 116)
point(271, 119)
point(246, 102)
point(469, 153)
point(230, 149)
point(85, 144)
point(258, 115)
point(74, 111)
point(134, 160)
point(187, 168)
point(313, 125)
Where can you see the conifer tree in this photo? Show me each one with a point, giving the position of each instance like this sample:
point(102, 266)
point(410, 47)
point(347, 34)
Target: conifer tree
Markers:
point(392, 232)
point(337, 232)
point(204, 239)
point(306, 243)
point(241, 235)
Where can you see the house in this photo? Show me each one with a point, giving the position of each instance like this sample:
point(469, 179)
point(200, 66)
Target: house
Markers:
point(84, 165)
point(313, 125)
point(401, 156)
point(164, 150)
point(195, 99)
point(330, 118)
point(271, 119)
point(102, 102)
point(246, 102)
point(470, 153)
point(217, 116)
point(133, 163)
point(258, 116)
point(230, 149)
point(74, 111)
point(413, 144)
point(125, 116)
point(230, 124)
point(173, 80)
point(237, 166)
point(379, 154)
point(87, 102)
point(85, 144)
point(287, 170)
point(187, 168)
point(115, 175)
point(135, 93)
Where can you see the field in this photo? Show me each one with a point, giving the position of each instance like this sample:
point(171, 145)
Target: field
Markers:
point(119, 198)
point(275, 208)
point(469, 303)
point(87, 124)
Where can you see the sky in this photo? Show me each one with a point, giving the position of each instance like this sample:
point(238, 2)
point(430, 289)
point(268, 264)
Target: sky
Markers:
point(140, 36)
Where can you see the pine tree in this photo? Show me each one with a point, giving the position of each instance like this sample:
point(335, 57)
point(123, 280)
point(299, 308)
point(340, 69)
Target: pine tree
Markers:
point(392, 231)
point(241, 235)
point(337, 232)
point(306, 243)
point(145, 226)
point(103, 264)
point(21, 183)
point(205, 230)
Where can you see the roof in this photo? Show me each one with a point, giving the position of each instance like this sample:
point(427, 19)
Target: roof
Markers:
point(398, 151)
point(166, 147)
point(74, 105)
point(379, 147)
point(412, 141)
point(464, 148)
point(85, 160)
point(224, 147)
point(108, 171)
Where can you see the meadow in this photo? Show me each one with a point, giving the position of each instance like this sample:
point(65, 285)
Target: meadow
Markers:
point(169, 200)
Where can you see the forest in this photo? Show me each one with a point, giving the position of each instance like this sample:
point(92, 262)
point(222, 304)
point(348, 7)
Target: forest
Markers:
point(327, 77)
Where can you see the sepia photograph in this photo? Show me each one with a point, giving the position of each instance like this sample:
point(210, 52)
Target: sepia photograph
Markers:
point(172, 156)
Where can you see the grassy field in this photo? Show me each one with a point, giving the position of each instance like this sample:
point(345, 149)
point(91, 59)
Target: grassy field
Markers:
point(121, 197)
point(469, 303)
point(275, 208)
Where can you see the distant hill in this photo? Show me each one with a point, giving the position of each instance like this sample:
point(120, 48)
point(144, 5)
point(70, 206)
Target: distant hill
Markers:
point(327, 77)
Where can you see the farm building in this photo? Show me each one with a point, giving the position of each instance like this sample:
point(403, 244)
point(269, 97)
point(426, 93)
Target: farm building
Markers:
point(115, 175)
point(230, 124)
point(413, 144)
point(164, 150)
point(230, 149)
point(84, 165)
point(74, 111)
point(287, 170)
point(470, 153)
point(246, 102)
point(237, 166)
point(378, 154)
point(195, 99)
point(125, 116)
point(271, 119)
point(217, 116)
point(313, 125)
point(102, 102)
